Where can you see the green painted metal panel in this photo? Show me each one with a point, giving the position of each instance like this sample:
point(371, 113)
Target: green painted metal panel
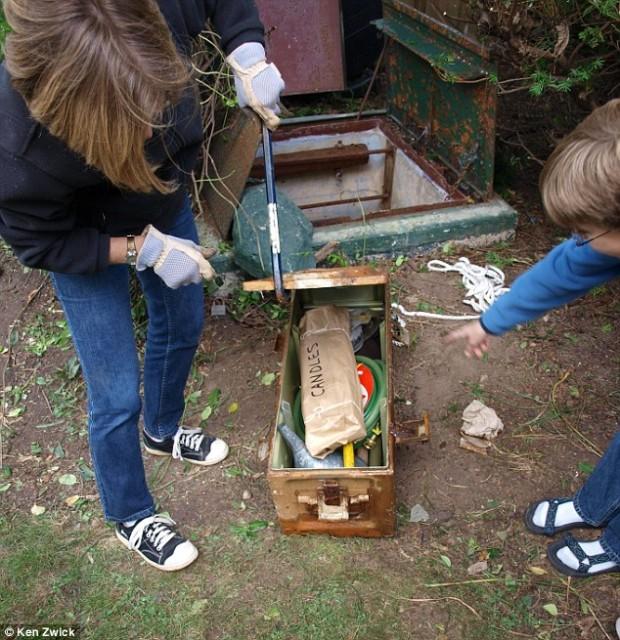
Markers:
point(441, 85)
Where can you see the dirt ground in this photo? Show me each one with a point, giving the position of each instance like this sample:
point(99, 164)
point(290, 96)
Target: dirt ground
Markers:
point(554, 384)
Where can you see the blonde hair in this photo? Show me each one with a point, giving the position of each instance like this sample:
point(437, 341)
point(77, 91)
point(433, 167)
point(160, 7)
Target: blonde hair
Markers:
point(580, 183)
point(97, 74)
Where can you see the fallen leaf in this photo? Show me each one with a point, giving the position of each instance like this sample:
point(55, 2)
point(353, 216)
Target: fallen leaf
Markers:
point(233, 407)
point(477, 568)
point(537, 571)
point(37, 510)
point(85, 471)
point(263, 450)
point(58, 451)
point(551, 609)
point(586, 625)
point(446, 561)
point(268, 379)
point(71, 500)
point(68, 479)
point(206, 414)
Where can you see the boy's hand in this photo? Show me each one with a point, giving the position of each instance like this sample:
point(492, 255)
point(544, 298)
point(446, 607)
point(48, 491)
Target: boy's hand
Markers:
point(477, 339)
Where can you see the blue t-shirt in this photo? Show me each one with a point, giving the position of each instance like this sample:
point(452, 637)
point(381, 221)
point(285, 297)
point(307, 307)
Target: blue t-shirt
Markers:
point(564, 274)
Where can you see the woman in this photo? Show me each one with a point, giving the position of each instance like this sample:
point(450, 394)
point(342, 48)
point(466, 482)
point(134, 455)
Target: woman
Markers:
point(100, 132)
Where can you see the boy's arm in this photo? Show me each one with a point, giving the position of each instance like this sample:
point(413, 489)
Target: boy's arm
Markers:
point(566, 273)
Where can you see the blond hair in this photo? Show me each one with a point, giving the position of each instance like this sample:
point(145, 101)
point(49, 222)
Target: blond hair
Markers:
point(580, 183)
point(97, 74)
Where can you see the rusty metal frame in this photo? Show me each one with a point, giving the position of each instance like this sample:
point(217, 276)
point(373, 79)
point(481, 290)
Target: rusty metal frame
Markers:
point(396, 141)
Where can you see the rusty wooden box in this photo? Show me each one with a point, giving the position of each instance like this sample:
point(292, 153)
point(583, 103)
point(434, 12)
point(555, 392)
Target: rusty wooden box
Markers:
point(340, 502)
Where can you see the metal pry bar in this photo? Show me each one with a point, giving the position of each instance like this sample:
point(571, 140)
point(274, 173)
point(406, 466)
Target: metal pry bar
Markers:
point(272, 209)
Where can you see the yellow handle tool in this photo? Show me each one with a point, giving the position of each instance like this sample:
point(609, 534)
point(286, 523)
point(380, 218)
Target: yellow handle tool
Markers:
point(348, 455)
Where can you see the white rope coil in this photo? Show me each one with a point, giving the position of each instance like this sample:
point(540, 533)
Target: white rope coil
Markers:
point(483, 285)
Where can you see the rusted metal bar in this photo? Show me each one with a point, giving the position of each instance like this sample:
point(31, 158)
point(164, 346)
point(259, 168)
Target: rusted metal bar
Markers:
point(387, 126)
point(388, 178)
point(314, 160)
point(331, 203)
point(330, 117)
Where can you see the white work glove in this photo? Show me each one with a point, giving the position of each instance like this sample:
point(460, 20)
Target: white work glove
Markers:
point(257, 83)
point(176, 261)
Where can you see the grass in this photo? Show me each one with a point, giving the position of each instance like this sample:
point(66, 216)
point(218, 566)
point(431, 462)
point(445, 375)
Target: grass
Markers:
point(54, 568)
point(74, 575)
point(45, 332)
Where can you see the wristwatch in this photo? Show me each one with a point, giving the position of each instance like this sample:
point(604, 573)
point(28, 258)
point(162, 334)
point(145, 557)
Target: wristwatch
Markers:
point(132, 252)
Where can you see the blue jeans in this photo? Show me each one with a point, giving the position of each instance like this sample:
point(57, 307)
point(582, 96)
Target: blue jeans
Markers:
point(598, 501)
point(98, 311)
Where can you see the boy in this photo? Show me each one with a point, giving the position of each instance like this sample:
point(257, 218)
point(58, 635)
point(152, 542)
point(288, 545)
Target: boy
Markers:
point(580, 187)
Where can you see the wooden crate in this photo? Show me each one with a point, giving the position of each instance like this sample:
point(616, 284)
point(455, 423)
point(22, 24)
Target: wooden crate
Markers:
point(340, 502)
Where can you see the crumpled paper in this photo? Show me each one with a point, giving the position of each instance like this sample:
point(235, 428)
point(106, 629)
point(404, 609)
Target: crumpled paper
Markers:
point(481, 424)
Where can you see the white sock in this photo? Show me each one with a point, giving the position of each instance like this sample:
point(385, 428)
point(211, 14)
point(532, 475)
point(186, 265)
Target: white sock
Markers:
point(593, 548)
point(565, 514)
point(129, 523)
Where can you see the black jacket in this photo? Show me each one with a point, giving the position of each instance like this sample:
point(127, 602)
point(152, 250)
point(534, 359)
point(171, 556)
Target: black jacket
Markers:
point(56, 212)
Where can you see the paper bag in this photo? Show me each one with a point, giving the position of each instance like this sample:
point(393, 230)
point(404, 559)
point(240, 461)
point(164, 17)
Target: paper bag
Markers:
point(331, 398)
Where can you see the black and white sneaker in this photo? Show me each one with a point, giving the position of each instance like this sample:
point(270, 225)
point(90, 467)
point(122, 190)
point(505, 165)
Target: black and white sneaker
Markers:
point(157, 541)
point(190, 444)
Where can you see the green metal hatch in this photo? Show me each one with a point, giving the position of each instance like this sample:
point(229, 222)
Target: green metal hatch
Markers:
point(441, 86)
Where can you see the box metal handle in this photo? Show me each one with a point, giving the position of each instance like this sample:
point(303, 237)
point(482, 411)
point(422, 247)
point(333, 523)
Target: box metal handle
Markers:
point(332, 503)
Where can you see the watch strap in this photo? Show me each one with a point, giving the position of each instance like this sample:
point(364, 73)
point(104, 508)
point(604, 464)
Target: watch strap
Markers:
point(132, 252)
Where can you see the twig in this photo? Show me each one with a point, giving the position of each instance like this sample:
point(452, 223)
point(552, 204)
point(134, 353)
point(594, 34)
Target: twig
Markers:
point(515, 633)
point(521, 145)
point(434, 585)
point(326, 250)
point(47, 402)
point(372, 80)
point(586, 442)
point(569, 587)
point(423, 600)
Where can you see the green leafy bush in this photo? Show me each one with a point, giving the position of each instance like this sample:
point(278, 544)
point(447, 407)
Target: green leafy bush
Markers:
point(552, 45)
point(4, 29)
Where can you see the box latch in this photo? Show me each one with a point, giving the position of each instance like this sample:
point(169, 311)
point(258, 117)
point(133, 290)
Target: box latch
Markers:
point(333, 503)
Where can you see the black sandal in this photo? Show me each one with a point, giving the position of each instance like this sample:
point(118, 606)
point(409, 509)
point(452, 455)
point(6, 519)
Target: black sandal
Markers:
point(586, 562)
point(549, 529)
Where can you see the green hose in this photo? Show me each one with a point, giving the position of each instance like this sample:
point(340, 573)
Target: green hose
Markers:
point(372, 410)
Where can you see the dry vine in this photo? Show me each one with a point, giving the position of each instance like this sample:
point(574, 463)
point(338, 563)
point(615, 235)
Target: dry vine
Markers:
point(217, 96)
